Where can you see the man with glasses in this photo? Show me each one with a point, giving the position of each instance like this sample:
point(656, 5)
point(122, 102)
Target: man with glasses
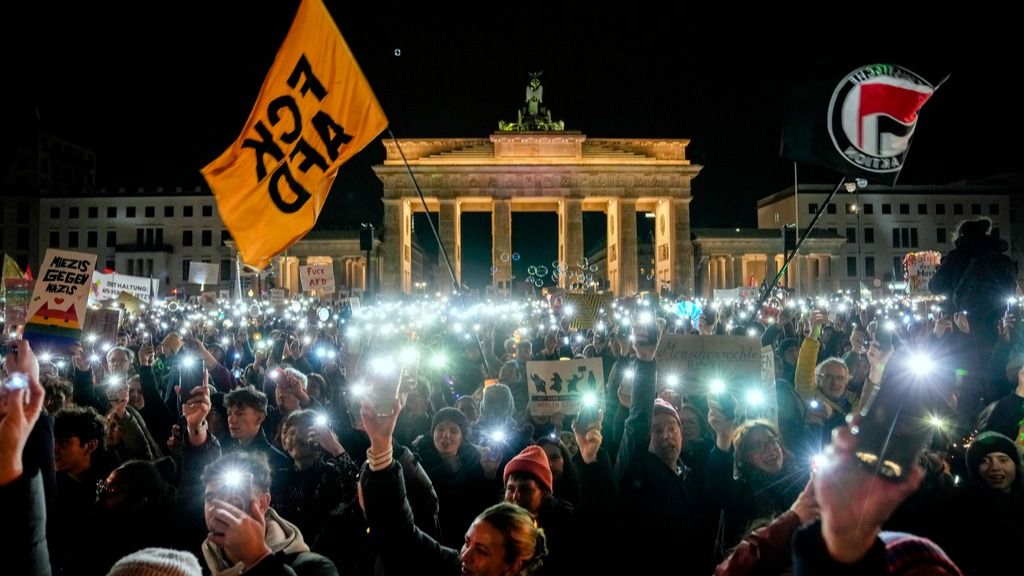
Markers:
point(822, 386)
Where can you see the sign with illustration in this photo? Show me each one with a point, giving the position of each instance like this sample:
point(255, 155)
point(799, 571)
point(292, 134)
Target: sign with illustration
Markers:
point(56, 312)
point(556, 387)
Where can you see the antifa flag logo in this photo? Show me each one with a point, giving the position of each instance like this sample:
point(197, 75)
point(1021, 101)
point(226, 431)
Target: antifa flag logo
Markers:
point(872, 115)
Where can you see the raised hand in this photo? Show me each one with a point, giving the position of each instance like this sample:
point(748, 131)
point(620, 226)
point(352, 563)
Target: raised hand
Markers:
point(242, 534)
point(20, 405)
point(855, 503)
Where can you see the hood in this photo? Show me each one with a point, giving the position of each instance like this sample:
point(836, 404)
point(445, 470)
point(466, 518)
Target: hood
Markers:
point(282, 536)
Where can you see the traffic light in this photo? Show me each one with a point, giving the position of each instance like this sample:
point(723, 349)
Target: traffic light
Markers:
point(788, 238)
point(366, 238)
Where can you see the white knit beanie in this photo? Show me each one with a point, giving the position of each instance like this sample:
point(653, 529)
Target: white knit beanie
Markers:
point(157, 562)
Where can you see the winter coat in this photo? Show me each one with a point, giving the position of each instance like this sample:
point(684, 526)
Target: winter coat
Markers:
point(289, 556)
point(660, 509)
point(463, 492)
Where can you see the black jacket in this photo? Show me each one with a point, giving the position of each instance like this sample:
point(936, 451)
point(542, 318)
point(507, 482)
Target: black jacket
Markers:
point(461, 493)
point(404, 548)
point(306, 497)
point(24, 528)
point(660, 510)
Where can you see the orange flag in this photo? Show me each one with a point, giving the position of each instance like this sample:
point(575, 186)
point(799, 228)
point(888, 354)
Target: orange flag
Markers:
point(314, 112)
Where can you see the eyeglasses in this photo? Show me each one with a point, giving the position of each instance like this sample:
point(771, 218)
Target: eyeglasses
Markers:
point(103, 488)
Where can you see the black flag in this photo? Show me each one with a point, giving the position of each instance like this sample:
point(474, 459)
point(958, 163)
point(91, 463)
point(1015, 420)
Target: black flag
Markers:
point(859, 124)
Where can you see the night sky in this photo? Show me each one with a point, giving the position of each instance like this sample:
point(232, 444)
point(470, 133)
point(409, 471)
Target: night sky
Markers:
point(160, 89)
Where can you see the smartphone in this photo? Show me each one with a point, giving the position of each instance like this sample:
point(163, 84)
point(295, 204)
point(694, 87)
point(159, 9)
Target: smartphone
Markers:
point(189, 378)
point(182, 429)
point(9, 348)
point(235, 488)
point(116, 388)
point(645, 333)
point(884, 338)
point(383, 390)
point(15, 381)
point(890, 434)
point(588, 416)
point(725, 402)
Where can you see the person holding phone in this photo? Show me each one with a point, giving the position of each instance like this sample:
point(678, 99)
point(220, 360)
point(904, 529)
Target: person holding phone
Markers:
point(661, 511)
point(854, 504)
point(245, 533)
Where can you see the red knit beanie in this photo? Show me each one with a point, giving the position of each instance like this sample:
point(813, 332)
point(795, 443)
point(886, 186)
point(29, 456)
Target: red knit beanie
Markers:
point(663, 407)
point(533, 461)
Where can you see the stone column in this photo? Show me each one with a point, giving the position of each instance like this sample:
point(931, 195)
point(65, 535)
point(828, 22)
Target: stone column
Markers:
point(808, 276)
point(769, 268)
point(730, 271)
point(392, 247)
point(681, 247)
point(501, 234)
point(708, 281)
point(449, 227)
point(570, 233)
point(628, 270)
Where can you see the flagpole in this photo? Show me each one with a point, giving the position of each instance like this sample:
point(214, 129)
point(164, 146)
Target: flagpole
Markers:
point(796, 250)
point(433, 229)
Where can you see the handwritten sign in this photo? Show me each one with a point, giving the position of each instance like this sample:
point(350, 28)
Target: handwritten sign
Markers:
point(318, 277)
point(698, 360)
point(110, 286)
point(57, 309)
point(203, 273)
point(104, 324)
point(277, 297)
point(556, 387)
point(920, 267)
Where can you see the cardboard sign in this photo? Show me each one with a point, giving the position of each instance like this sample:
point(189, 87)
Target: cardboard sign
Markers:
point(556, 387)
point(771, 408)
point(104, 324)
point(19, 291)
point(740, 294)
point(319, 277)
point(110, 286)
point(920, 267)
point(56, 312)
point(699, 360)
point(277, 297)
point(208, 300)
point(203, 273)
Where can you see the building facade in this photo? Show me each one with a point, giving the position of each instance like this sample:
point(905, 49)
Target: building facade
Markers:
point(144, 232)
point(562, 172)
point(881, 225)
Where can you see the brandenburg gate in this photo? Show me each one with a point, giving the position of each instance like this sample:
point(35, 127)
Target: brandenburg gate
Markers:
point(533, 165)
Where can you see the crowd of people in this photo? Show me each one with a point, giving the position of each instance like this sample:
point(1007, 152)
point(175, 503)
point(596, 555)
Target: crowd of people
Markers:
point(400, 440)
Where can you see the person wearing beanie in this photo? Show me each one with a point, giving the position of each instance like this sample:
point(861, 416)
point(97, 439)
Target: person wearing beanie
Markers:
point(453, 465)
point(453, 415)
point(983, 516)
point(497, 432)
point(660, 510)
point(529, 466)
point(157, 562)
